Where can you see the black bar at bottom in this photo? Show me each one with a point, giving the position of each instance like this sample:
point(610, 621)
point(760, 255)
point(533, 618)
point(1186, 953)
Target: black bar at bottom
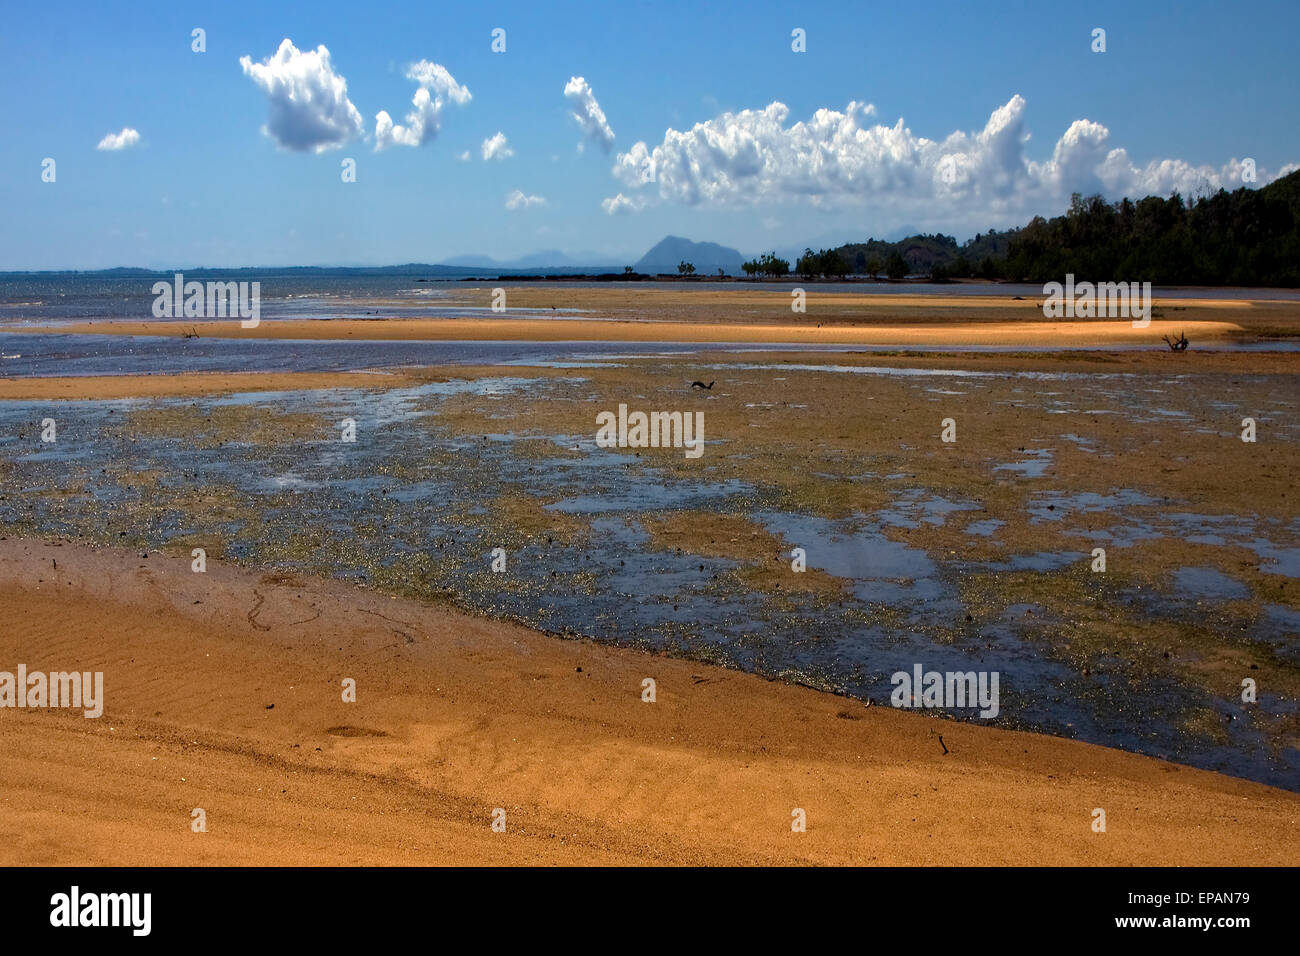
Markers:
point(298, 906)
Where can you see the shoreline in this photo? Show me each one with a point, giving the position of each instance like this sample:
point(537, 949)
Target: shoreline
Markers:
point(222, 693)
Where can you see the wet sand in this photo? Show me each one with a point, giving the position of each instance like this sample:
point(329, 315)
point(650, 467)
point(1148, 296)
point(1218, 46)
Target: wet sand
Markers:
point(75, 387)
point(223, 693)
point(180, 385)
point(1028, 333)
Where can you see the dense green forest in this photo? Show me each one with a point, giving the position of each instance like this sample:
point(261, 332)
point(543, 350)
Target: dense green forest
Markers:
point(1244, 237)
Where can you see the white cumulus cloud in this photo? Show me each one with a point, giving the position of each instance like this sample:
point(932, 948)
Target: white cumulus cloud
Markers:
point(621, 205)
point(115, 141)
point(434, 76)
point(495, 147)
point(309, 105)
point(587, 112)
point(436, 88)
point(517, 199)
point(836, 158)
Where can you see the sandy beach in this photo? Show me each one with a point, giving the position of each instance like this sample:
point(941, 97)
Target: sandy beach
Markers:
point(223, 693)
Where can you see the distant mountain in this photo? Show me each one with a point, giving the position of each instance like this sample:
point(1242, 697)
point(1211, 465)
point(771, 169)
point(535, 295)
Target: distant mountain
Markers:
point(547, 259)
point(419, 270)
point(707, 257)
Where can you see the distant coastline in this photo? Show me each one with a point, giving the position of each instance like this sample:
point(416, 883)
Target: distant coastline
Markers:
point(18, 288)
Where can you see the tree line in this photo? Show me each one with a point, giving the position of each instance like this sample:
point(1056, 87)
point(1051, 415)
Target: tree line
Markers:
point(1243, 237)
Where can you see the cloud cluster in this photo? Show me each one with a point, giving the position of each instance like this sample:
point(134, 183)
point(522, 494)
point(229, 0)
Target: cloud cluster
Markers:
point(517, 199)
point(496, 147)
point(309, 105)
point(436, 88)
point(835, 158)
point(115, 141)
point(588, 114)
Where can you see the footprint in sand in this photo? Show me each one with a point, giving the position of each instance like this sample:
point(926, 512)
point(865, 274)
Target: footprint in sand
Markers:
point(347, 731)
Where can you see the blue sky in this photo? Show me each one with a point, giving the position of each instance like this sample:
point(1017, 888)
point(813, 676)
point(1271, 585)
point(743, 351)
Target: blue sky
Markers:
point(1186, 90)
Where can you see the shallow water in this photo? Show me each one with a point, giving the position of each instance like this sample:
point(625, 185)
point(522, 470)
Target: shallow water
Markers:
point(1209, 584)
point(45, 355)
point(25, 355)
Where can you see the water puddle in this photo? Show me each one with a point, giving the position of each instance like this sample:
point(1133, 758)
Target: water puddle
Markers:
point(1033, 467)
point(1209, 584)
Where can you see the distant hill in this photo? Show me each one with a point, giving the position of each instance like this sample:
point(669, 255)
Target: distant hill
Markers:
point(707, 257)
point(932, 255)
point(547, 259)
point(419, 270)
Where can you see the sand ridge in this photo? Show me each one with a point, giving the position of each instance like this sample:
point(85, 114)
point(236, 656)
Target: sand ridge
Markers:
point(1039, 333)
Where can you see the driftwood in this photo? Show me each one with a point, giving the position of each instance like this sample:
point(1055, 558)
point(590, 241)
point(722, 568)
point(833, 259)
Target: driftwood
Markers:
point(701, 385)
point(1177, 345)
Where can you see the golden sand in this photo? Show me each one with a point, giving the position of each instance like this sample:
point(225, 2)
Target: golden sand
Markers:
point(223, 694)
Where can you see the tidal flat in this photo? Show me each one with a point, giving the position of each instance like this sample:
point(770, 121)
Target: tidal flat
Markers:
point(974, 554)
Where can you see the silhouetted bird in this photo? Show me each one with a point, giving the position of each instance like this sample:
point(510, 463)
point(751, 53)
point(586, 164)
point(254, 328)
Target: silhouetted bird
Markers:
point(701, 385)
